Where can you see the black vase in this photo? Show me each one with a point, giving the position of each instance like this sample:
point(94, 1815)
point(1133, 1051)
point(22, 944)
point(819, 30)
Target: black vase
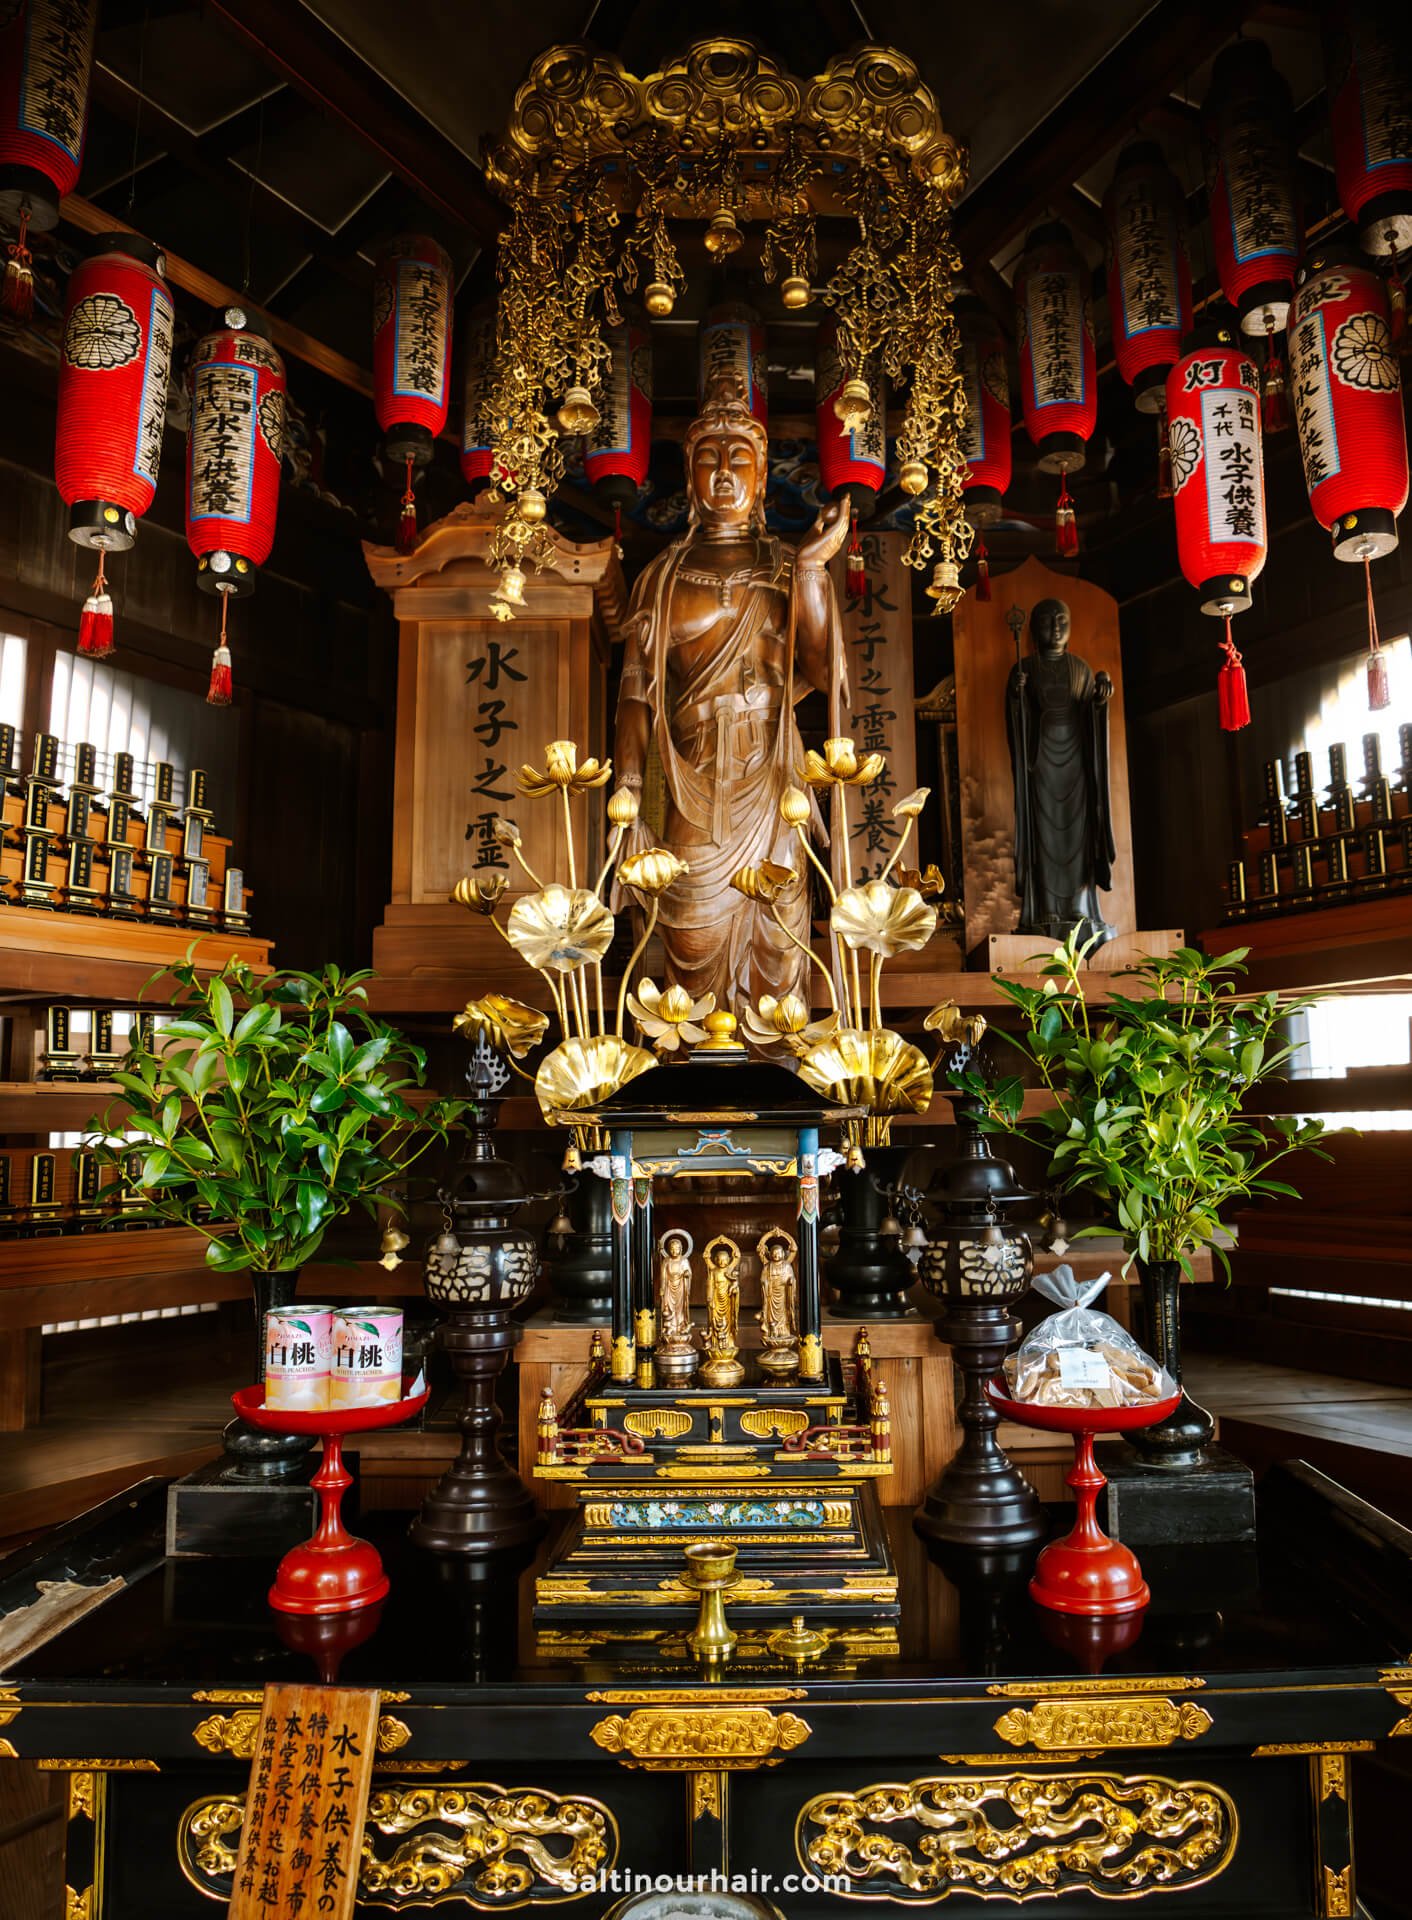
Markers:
point(868, 1269)
point(581, 1274)
point(254, 1457)
point(1179, 1441)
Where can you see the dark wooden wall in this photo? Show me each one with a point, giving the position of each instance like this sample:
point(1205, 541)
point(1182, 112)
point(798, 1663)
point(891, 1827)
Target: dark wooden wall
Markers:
point(315, 670)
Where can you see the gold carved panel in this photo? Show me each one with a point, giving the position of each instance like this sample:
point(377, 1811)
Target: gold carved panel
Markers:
point(678, 1739)
point(481, 1844)
point(1020, 1836)
point(1102, 1724)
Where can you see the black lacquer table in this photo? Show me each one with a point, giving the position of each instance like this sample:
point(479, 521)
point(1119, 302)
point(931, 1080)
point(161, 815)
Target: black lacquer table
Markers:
point(1198, 1754)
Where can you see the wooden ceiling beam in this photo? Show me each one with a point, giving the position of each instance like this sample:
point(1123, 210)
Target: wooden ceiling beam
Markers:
point(995, 291)
point(326, 70)
point(1171, 40)
point(205, 287)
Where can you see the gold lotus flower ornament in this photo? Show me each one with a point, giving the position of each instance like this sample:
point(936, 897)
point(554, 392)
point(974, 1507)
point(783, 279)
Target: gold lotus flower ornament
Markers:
point(580, 1073)
point(623, 807)
point(652, 871)
point(670, 1018)
point(929, 881)
point(508, 1025)
point(562, 772)
point(954, 1027)
point(505, 831)
point(839, 764)
point(869, 1067)
point(795, 809)
point(768, 881)
point(886, 920)
point(480, 892)
point(560, 929)
point(772, 1023)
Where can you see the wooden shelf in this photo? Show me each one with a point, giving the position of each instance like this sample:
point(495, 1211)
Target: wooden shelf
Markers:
point(1366, 945)
point(58, 956)
point(54, 1106)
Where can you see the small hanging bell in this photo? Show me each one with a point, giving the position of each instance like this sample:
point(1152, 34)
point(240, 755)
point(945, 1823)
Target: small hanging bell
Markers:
point(659, 299)
point(723, 236)
point(578, 414)
point(853, 403)
point(912, 476)
point(533, 506)
point(573, 1159)
point(795, 292)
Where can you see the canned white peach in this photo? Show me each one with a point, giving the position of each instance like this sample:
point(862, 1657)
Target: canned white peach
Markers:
point(297, 1357)
point(367, 1356)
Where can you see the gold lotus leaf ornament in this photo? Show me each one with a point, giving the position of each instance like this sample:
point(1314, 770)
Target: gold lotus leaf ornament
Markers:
point(955, 1027)
point(909, 807)
point(786, 1021)
point(884, 919)
point(480, 892)
point(652, 871)
point(766, 882)
point(839, 764)
point(562, 772)
point(582, 1073)
point(869, 1067)
point(508, 1025)
point(670, 1017)
point(560, 929)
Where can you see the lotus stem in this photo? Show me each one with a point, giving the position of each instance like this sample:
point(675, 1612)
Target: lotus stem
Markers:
point(633, 959)
point(527, 867)
point(569, 836)
point(613, 845)
point(900, 848)
point(558, 995)
point(809, 954)
point(578, 987)
point(598, 987)
point(875, 989)
point(822, 870)
point(857, 987)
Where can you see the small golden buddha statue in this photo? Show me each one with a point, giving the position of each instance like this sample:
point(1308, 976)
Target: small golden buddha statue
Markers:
point(721, 1367)
point(676, 1350)
point(779, 1301)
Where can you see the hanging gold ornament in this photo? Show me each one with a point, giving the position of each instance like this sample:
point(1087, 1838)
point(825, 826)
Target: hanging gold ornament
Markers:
point(659, 299)
point(512, 587)
point(853, 404)
point(912, 476)
point(578, 413)
point(723, 236)
point(795, 292)
point(945, 585)
point(533, 506)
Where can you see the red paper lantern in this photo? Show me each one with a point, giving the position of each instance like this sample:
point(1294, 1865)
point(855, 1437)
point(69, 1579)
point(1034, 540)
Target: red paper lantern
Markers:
point(233, 456)
point(620, 448)
point(1218, 487)
point(477, 454)
point(733, 341)
point(411, 359)
point(46, 59)
point(114, 369)
point(1149, 277)
point(852, 464)
point(1347, 390)
point(1368, 61)
point(1058, 371)
point(985, 436)
point(1249, 139)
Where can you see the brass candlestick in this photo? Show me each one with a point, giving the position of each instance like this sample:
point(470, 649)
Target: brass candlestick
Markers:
point(710, 1570)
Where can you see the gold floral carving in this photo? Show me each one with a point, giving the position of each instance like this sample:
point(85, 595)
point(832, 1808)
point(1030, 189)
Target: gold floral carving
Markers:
point(676, 1739)
point(761, 1422)
point(81, 1795)
point(1331, 1770)
point(1042, 1689)
point(9, 1710)
point(97, 1766)
point(1398, 1681)
point(230, 1696)
point(1312, 1746)
point(235, 1733)
point(670, 1422)
point(671, 1696)
point(1338, 1893)
point(1024, 1835)
point(78, 1906)
point(1103, 1724)
point(705, 1796)
point(506, 1847)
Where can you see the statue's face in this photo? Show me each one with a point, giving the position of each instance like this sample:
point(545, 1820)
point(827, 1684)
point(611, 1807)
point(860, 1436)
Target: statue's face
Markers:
point(726, 476)
point(720, 1256)
point(1050, 626)
point(674, 1247)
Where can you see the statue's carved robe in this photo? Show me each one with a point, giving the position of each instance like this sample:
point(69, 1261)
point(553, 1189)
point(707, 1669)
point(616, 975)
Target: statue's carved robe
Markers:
point(1064, 848)
point(722, 714)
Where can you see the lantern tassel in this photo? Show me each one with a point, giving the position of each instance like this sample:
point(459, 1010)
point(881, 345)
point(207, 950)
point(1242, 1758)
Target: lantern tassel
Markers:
point(1274, 395)
point(221, 689)
point(17, 295)
point(1232, 695)
point(1066, 525)
point(95, 622)
point(982, 569)
point(407, 525)
point(1164, 457)
point(855, 574)
point(1379, 687)
point(618, 528)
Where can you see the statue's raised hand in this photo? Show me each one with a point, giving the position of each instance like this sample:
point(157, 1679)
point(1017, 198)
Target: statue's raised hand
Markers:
point(1102, 687)
point(825, 537)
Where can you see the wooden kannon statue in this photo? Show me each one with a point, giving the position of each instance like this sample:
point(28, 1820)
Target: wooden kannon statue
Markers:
point(1057, 719)
point(727, 629)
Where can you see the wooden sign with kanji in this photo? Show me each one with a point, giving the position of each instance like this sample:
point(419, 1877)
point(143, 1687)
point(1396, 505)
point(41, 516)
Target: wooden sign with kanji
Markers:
point(303, 1832)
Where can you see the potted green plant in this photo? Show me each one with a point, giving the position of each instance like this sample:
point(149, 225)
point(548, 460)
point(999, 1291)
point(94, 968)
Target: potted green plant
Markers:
point(1147, 1117)
point(272, 1105)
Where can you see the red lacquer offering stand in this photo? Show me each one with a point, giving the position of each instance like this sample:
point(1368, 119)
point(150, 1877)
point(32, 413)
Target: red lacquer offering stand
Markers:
point(1086, 1572)
point(333, 1572)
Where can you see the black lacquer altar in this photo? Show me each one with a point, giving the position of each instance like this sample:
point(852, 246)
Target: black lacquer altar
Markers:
point(1198, 1754)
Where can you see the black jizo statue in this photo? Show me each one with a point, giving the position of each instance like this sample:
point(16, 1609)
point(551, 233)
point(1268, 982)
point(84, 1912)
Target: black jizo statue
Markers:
point(1056, 711)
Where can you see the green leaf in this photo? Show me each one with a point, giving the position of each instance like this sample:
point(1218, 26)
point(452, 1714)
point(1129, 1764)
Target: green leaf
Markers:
point(328, 1097)
point(222, 1007)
